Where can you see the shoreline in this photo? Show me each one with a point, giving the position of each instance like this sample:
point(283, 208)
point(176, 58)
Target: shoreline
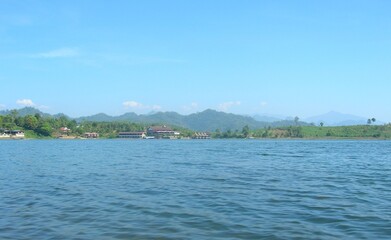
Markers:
point(213, 139)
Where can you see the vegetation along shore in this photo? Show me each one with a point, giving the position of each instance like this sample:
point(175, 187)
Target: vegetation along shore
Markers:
point(38, 126)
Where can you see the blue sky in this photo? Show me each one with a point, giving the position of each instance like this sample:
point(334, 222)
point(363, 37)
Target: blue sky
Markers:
point(294, 58)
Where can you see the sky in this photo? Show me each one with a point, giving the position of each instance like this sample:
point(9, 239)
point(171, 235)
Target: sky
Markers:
point(292, 58)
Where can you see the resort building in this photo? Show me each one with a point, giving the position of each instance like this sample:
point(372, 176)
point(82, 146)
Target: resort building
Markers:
point(201, 135)
point(65, 130)
point(161, 132)
point(15, 134)
point(4, 135)
point(134, 135)
point(91, 135)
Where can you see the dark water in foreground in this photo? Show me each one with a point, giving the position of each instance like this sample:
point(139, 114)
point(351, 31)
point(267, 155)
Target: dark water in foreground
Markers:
point(118, 189)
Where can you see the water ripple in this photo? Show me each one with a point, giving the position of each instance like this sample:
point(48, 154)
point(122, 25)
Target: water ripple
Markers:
point(195, 189)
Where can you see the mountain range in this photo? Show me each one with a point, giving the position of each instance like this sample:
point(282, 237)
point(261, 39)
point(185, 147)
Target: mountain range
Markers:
point(333, 118)
point(208, 120)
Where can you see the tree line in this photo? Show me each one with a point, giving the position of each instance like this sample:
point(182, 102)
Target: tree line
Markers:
point(36, 126)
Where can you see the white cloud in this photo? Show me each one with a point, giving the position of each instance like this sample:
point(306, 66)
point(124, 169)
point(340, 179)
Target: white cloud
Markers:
point(132, 104)
point(263, 104)
point(2, 106)
point(25, 102)
point(137, 105)
point(227, 105)
point(156, 107)
point(43, 107)
point(192, 107)
point(30, 103)
point(58, 53)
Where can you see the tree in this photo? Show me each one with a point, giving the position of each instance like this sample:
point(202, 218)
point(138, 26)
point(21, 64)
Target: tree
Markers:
point(297, 120)
point(321, 124)
point(72, 124)
point(8, 122)
point(369, 121)
point(44, 129)
point(30, 122)
point(294, 132)
point(227, 134)
point(79, 130)
point(217, 133)
point(373, 120)
point(14, 114)
point(19, 121)
point(246, 131)
point(38, 116)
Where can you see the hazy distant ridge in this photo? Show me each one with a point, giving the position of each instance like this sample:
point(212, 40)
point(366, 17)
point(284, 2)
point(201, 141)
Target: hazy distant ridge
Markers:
point(333, 118)
point(209, 120)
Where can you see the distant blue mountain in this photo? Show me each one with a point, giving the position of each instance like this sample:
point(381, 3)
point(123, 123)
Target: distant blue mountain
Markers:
point(208, 120)
point(267, 118)
point(339, 119)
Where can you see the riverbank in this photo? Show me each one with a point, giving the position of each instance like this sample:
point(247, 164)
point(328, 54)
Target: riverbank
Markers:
point(37, 127)
point(211, 139)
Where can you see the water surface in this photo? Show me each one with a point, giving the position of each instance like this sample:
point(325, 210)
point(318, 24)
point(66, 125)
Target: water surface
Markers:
point(195, 189)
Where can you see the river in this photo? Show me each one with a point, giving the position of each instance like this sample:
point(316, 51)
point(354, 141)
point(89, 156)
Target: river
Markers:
point(195, 189)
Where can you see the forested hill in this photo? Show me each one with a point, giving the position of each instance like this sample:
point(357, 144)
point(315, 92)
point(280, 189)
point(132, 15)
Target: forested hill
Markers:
point(31, 111)
point(26, 111)
point(208, 120)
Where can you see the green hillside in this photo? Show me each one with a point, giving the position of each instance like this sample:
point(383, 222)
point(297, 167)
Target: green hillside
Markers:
point(208, 120)
point(314, 132)
point(359, 131)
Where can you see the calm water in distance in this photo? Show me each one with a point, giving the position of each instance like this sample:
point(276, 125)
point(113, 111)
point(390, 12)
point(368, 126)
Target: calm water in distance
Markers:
point(195, 189)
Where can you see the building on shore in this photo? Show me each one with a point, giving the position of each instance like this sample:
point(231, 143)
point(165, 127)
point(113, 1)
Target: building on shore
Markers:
point(91, 135)
point(161, 132)
point(4, 135)
point(65, 130)
point(201, 135)
point(14, 134)
point(134, 135)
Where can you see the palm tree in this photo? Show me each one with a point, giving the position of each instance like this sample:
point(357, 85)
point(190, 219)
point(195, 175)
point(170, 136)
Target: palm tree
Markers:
point(14, 114)
point(296, 120)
